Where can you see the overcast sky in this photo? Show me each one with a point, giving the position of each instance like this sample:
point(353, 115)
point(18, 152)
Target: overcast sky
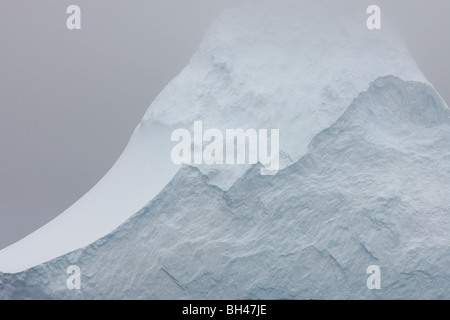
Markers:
point(69, 100)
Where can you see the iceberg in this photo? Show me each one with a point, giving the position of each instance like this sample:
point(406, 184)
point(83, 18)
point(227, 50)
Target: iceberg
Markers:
point(363, 180)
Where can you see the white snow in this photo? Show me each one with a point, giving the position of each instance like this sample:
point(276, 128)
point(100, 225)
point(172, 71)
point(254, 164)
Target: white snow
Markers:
point(140, 173)
point(295, 68)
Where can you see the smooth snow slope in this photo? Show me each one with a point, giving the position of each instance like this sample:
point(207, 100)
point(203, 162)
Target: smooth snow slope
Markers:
point(293, 66)
point(373, 189)
point(141, 172)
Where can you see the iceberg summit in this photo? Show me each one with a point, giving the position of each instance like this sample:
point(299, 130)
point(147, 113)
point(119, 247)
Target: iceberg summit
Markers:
point(235, 145)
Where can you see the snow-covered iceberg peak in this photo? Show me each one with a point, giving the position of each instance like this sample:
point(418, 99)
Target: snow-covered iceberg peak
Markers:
point(288, 65)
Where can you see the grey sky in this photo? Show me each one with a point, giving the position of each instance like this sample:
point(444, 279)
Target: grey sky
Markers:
point(69, 100)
